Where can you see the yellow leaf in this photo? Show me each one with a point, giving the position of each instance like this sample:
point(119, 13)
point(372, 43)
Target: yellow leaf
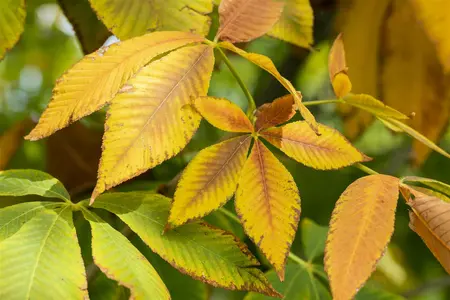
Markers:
point(266, 63)
point(131, 18)
point(209, 180)
point(433, 16)
point(12, 19)
point(147, 122)
point(272, 114)
point(360, 229)
point(11, 140)
point(374, 106)
point(341, 85)
point(98, 77)
point(432, 183)
point(296, 24)
point(337, 62)
point(330, 150)
point(245, 20)
point(223, 114)
point(268, 204)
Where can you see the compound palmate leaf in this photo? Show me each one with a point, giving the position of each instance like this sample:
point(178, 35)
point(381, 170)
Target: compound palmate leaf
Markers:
point(245, 20)
point(12, 18)
point(203, 252)
point(268, 204)
point(120, 260)
point(150, 121)
point(330, 150)
point(98, 77)
point(131, 18)
point(360, 229)
point(43, 250)
point(209, 180)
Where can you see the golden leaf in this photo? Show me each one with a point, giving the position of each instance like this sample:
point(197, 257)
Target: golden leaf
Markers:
point(275, 113)
point(147, 122)
point(374, 106)
point(337, 62)
point(330, 150)
point(209, 180)
point(98, 77)
point(12, 19)
point(360, 229)
point(245, 20)
point(223, 114)
point(268, 204)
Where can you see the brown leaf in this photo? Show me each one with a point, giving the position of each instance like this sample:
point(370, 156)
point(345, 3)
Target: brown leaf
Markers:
point(278, 112)
point(11, 140)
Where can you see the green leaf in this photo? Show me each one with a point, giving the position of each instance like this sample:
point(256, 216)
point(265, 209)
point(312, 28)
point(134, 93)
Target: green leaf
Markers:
point(90, 31)
point(43, 259)
point(12, 18)
point(120, 260)
point(130, 18)
point(368, 293)
point(432, 183)
point(299, 284)
point(313, 239)
point(31, 182)
point(205, 253)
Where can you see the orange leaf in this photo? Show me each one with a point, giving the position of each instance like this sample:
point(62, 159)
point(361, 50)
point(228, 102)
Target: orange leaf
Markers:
point(272, 114)
point(268, 204)
point(330, 150)
point(245, 20)
point(336, 59)
point(223, 114)
point(209, 180)
point(360, 229)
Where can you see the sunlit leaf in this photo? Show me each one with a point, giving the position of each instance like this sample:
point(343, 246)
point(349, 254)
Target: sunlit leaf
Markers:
point(432, 183)
point(360, 229)
point(31, 182)
point(12, 19)
point(266, 63)
point(10, 141)
point(43, 250)
point(204, 253)
point(100, 76)
point(313, 239)
point(209, 180)
point(149, 122)
point(120, 260)
point(275, 113)
point(296, 24)
point(374, 106)
point(131, 18)
point(337, 68)
point(245, 20)
point(268, 204)
point(223, 114)
point(330, 150)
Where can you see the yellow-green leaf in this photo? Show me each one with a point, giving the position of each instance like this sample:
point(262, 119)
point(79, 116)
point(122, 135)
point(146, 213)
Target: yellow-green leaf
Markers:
point(12, 19)
point(150, 121)
point(266, 63)
point(120, 260)
point(360, 229)
point(223, 114)
point(432, 183)
point(275, 113)
point(44, 250)
point(98, 77)
point(374, 106)
point(330, 150)
point(131, 18)
point(268, 204)
point(245, 20)
point(209, 180)
point(296, 24)
point(205, 253)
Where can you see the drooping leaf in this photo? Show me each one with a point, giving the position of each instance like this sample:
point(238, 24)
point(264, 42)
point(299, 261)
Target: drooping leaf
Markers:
point(337, 68)
point(432, 183)
point(203, 252)
point(44, 250)
point(374, 106)
point(11, 140)
point(313, 239)
point(223, 114)
point(149, 122)
point(330, 150)
point(131, 18)
point(209, 180)
point(90, 31)
point(31, 182)
point(12, 19)
point(120, 260)
point(360, 229)
point(268, 204)
point(295, 24)
point(266, 63)
point(245, 20)
point(99, 77)
point(272, 114)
